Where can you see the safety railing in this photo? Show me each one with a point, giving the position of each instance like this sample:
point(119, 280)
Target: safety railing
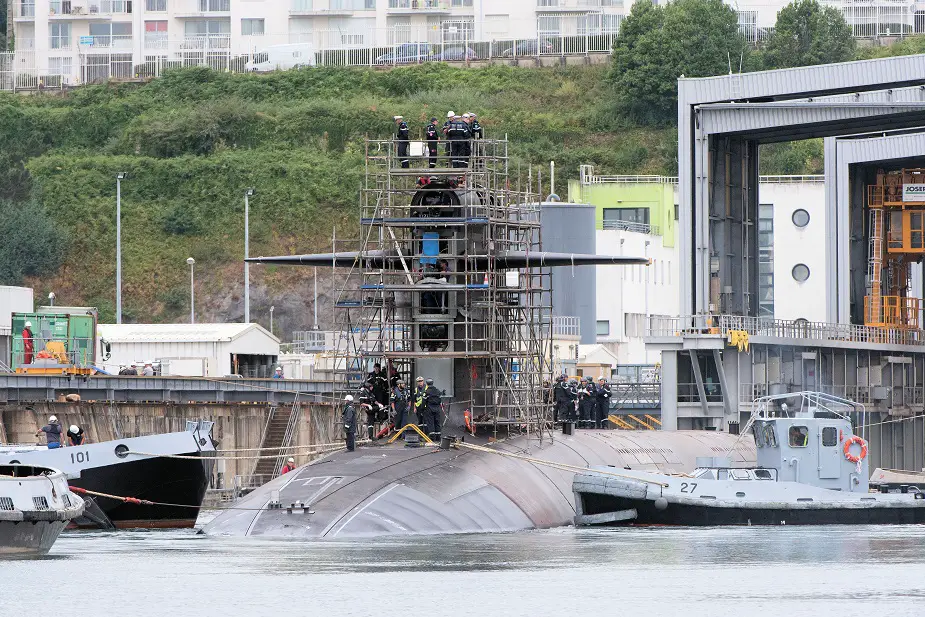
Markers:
point(310, 341)
point(636, 227)
point(660, 326)
point(588, 177)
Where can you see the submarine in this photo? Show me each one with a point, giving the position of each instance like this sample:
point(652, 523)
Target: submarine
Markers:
point(447, 279)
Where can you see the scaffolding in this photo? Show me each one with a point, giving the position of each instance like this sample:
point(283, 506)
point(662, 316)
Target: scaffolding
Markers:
point(429, 294)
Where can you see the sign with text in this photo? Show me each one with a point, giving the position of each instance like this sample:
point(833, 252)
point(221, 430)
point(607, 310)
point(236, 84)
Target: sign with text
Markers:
point(914, 192)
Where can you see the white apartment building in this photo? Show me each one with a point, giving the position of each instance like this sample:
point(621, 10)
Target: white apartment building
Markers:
point(791, 230)
point(77, 41)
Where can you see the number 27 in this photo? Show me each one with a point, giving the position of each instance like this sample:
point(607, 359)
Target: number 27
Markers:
point(688, 488)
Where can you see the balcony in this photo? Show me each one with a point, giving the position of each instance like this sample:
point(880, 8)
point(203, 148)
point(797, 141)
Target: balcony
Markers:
point(106, 43)
point(577, 6)
point(419, 7)
point(332, 8)
point(202, 8)
point(86, 10)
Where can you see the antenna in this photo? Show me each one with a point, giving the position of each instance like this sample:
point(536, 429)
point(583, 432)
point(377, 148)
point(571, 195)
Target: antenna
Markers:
point(741, 60)
point(729, 61)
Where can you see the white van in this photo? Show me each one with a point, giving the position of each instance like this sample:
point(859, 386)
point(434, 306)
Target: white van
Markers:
point(282, 57)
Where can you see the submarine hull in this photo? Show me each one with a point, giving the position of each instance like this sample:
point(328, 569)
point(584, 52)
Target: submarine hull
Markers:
point(385, 491)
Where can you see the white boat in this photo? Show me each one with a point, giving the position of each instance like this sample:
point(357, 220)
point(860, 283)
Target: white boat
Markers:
point(812, 470)
point(35, 507)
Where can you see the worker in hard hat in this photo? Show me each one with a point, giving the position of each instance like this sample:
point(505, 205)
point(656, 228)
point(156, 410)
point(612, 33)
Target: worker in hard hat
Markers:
point(75, 435)
point(52, 432)
point(399, 405)
point(419, 402)
point(289, 466)
point(278, 373)
point(28, 347)
point(349, 418)
point(401, 141)
point(148, 370)
point(434, 410)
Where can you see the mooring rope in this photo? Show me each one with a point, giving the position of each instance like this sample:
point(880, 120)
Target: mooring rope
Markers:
point(314, 450)
point(146, 502)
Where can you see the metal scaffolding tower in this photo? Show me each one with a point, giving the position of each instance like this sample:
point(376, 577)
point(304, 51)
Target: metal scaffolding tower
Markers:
point(429, 294)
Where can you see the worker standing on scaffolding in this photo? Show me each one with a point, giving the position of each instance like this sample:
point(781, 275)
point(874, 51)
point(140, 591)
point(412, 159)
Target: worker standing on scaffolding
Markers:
point(603, 402)
point(419, 402)
point(432, 135)
point(349, 418)
point(380, 384)
point(433, 408)
point(401, 137)
point(399, 405)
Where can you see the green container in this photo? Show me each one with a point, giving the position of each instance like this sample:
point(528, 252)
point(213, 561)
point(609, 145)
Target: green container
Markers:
point(77, 331)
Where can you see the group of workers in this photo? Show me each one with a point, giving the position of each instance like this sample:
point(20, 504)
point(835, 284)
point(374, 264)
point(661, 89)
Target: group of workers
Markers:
point(53, 434)
point(583, 402)
point(147, 369)
point(458, 132)
point(389, 405)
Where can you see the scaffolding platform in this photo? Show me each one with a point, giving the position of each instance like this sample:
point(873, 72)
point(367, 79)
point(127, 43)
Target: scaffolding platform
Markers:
point(483, 334)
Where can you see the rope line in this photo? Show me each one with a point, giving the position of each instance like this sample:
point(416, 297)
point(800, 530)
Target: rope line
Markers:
point(269, 449)
point(145, 502)
point(560, 466)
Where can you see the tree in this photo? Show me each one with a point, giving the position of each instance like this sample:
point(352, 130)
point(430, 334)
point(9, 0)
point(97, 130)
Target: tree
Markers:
point(33, 245)
point(656, 45)
point(808, 33)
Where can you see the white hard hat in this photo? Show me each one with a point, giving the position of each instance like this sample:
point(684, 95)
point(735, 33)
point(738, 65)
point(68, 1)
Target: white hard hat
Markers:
point(456, 116)
point(349, 397)
point(28, 324)
point(74, 428)
point(52, 418)
point(291, 460)
point(450, 114)
point(465, 115)
point(399, 118)
point(279, 368)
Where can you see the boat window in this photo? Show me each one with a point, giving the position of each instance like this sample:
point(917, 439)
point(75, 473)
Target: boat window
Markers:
point(770, 435)
point(829, 436)
point(739, 474)
point(798, 436)
point(762, 474)
point(757, 434)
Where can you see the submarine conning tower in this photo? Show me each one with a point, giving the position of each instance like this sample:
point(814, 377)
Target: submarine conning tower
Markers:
point(442, 305)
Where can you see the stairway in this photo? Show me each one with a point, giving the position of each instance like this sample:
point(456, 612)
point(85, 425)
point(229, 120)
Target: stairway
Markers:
point(272, 440)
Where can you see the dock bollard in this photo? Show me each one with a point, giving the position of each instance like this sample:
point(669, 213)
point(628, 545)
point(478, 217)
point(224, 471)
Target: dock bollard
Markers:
point(445, 441)
point(568, 428)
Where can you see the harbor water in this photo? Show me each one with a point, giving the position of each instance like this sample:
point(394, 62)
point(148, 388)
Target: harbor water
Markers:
point(794, 571)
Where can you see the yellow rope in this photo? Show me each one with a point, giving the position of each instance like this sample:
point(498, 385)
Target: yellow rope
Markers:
point(560, 466)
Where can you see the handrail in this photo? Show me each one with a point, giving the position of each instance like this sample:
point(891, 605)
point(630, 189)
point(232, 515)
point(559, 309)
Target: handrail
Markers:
point(295, 414)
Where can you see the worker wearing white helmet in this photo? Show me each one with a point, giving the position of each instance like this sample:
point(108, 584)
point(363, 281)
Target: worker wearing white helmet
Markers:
point(289, 466)
point(446, 128)
point(52, 432)
point(75, 435)
point(349, 418)
point(27, 345)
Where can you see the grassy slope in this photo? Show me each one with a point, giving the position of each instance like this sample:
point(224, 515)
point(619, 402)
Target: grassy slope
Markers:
point(193, 140)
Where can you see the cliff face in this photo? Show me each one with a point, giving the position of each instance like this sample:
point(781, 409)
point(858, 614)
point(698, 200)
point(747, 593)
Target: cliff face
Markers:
point(192, 141)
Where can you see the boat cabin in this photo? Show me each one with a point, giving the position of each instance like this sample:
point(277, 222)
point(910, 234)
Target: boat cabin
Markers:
point(805, 441)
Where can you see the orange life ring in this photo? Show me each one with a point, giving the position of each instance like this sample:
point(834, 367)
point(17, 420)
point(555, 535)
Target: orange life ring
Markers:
point(854, 439)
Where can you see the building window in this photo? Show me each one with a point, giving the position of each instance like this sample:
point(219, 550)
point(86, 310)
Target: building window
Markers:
point(766, 260)
point(628, 219)
point(798, 436)
point(599, 23)
point(115, 6)
point(829, 436)
point(156, 34)
point(458, 31)
point(748, 25)
point(458, 3)
point(634, 325)
point(117, 34)
point(800, 217)
point(215, 5)
point(156, 6)
point(26, 8)
point(549, 25)
point(800, 273)
point(60, 36)
point(59, 66)
point(251, 27)
point(603, 327)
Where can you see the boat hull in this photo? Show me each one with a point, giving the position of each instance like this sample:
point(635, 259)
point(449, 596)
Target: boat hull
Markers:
point(28, 538)
point(182, 482)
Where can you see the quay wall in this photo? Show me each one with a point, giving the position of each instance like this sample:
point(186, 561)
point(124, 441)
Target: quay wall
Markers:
point(237, 425)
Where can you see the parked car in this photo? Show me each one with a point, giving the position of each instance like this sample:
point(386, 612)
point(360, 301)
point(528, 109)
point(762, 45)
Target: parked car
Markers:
point(528, 48)
point(457, 53)
point(407, 53)
point(282, 57)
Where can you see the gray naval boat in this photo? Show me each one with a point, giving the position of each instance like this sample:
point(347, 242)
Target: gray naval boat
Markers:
point(386, 491)
point(35, 507)
point(812, 469)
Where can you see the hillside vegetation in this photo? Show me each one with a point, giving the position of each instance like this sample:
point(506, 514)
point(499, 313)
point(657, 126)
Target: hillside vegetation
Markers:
point(192, 141)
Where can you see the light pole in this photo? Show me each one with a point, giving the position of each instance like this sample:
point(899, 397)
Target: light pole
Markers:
point(248, 193)
point(51, 298)
point(192, 290)
point(119, 178)
point(271, 319)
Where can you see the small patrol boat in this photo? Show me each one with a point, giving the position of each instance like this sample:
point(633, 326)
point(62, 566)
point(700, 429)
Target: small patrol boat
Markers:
point(35, 507)
point(811, 470)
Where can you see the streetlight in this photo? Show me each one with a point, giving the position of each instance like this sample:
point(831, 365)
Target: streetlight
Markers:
point(192, 290)
point(271, 319)
point(51, 298)
point(119, 178)
point(248, 193)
